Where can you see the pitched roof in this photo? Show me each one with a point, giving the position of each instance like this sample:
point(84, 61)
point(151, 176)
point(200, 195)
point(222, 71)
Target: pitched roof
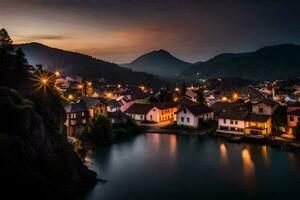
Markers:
point(219, 107)
point(257, 118)
point(234, 114)
point(76, 107)
point(268, 102)
point(138, 108)
point(165, 105)
point(294, 112)
point(113, 103)
point(197, 109)
point(185, 101)
point(91, 102)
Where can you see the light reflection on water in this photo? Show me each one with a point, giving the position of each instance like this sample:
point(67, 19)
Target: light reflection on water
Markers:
point(223, 155)
point(154, 166)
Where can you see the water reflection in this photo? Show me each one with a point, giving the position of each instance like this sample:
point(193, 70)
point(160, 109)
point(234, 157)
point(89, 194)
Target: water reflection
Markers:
point(264, 152)
point(223, 155)
point(248, 169)
point(163, 142)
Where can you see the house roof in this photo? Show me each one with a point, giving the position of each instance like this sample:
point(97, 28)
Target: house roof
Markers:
point(76, 107)
point(113, 103)
point(185, 101)
point(138, 108)
point(197, 109)
point(117, 114)
point(91, 102)
point(165, 105)
point(294, 112)
point(233, 114)
point(257, 118)
point(219, 107)
point(268, 102)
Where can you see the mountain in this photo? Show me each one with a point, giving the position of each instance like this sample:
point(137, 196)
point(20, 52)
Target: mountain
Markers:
point(160, 63)
point(77, 64)
point(268, 63)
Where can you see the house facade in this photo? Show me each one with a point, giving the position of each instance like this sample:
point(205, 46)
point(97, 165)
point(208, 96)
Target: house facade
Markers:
point(193, 115)
point(232, 122)
point(159, 113)
point(293, 118)
point(77, 118)
point(255, 123)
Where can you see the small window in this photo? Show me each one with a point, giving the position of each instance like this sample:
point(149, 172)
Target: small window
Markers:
point(260, 110)
point(82, 113)
point(231, 121)
point(236, 122)
point(182, 119)
point(292, 118)
point(224, 121)
point(141, 116)
point(184, 111)
point(188, 120)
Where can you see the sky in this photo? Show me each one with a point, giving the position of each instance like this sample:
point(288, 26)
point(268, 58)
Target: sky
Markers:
point(121, 30)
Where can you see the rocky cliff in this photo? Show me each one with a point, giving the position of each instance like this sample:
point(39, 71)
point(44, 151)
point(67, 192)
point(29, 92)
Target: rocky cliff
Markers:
point(35, 158)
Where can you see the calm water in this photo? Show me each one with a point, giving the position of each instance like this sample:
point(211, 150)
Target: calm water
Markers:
point(154, 166)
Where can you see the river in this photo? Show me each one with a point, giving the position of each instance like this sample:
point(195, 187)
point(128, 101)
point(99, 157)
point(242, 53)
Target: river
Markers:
point(161, 167)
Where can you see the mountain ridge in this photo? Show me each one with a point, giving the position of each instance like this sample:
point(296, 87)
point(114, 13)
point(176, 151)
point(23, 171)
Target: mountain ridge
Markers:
point(158, 62)
point(77, 64)
point(267, 63)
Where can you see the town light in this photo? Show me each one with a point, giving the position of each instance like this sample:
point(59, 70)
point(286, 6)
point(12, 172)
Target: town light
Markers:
point(119, 86)
point(44, 81)
point(57, 73)
point(224, 99)
point(235, 96)
point(175, 99)
point(89, 83)
point(142, 87)
point(177, 89)
point(109, 94)
point(80, 86)
point(70, 97)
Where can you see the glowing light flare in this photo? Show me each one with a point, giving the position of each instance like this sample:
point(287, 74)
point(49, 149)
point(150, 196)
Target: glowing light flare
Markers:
point(176, 89)
point(57, 73)
point(80, 86)
point(41, 80)
point(224, 99)
point(70, 97)
point(235, 96)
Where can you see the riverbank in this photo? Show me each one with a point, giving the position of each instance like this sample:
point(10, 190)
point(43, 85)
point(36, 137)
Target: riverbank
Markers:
point(284, 143)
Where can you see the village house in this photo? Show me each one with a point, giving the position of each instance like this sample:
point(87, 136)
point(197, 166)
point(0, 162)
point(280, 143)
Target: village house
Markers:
point(159, 113)
point(256, 122)
point(293, 118)
point(232, 122)
point(113, 105)
point(193, 115)
point(95, 106)
point(77, 118)
point(191, 95)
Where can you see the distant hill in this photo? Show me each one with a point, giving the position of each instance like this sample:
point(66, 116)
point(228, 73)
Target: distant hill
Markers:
point(158, 62)
point(268, 63)
point(86, 66)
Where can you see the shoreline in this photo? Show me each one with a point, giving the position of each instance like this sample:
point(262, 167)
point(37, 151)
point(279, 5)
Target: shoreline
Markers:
point(273, 141)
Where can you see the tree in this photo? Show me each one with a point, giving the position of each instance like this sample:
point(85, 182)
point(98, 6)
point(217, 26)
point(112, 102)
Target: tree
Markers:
point(183, 89)
point(21, 70)
point(200, 97)
point(6, 59)
point(101, 129)
point(297, 131)
point(6, 41)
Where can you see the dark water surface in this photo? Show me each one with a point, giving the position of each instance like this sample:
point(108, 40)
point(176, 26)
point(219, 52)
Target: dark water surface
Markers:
point(160, 167)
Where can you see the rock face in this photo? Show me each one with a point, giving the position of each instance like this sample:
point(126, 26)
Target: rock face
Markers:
point(35, 157)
